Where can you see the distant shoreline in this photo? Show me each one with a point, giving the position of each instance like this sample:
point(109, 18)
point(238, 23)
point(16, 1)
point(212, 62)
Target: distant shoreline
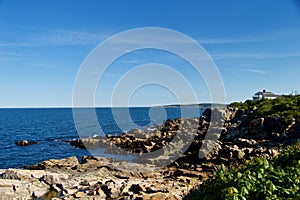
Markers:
point(206, 105)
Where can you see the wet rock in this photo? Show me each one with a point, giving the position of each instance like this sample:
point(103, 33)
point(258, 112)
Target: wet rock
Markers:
point(92, 143)
point(25, 143)
point(77, 144)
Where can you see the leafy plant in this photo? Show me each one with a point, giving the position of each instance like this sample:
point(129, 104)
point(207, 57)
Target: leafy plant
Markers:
point(272, 178)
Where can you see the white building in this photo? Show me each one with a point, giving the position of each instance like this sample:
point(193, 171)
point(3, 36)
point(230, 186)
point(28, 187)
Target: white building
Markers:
point(264, 95)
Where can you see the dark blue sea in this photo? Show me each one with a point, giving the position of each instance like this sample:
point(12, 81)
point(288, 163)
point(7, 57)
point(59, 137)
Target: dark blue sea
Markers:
point(51, 127)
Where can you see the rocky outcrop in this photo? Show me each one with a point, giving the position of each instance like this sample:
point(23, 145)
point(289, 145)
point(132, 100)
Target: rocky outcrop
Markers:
point(219, 136)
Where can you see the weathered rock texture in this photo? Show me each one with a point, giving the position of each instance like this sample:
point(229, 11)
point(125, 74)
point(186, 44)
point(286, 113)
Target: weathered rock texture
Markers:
point(96, 178)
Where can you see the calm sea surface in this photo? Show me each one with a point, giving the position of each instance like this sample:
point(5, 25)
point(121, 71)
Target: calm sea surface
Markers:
point(50, 127)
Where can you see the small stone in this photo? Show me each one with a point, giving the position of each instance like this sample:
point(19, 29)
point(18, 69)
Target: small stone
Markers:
point(80, 194)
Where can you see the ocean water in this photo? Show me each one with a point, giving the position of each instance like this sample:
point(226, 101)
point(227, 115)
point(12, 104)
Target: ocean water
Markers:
point(51, 127)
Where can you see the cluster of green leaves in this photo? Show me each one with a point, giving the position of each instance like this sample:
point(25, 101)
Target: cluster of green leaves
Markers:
point(284, 106)
point(272, 178)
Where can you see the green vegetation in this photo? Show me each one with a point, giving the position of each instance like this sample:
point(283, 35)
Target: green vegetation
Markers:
point(272, 178)
point(284, 106)
point(262, 178)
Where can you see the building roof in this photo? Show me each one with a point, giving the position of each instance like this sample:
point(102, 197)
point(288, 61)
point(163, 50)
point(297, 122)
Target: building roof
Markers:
point(264, 94)
point(269, 94)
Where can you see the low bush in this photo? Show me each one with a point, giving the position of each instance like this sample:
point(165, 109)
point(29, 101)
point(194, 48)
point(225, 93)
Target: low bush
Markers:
point(262, 178)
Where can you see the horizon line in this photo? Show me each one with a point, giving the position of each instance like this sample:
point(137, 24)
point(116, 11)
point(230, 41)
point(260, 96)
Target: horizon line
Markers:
point(106, 106)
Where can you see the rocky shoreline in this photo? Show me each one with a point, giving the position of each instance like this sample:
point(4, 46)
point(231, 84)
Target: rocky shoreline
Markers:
point(95, 178)
point(231, 138)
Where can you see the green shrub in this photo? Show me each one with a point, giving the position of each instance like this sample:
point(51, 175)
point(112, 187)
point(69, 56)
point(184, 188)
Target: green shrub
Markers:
point(273, 178)
point(284, 106)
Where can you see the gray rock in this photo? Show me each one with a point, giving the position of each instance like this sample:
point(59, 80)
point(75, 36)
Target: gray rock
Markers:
point(209, 148)
point(53, 163)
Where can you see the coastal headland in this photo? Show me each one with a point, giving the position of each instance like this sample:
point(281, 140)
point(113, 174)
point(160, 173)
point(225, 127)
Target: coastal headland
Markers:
point(241, 132)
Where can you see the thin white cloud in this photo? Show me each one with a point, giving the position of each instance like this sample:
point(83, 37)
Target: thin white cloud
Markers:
point(6, 59)
point(9, 56)
point(256, 71)
point(57, 37)
point(264, 37)
point(20, 44)
point(9, 53)
point(231, 40)
point(68, 37)
point(234, 55)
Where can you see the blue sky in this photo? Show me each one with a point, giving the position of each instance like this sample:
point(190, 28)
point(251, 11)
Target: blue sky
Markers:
point(255, 45)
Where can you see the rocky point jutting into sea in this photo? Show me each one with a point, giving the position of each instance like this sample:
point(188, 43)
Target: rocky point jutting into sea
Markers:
point(237, 135)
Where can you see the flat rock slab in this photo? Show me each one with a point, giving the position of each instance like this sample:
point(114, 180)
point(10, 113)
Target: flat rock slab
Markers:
point(96, 178)
point(22, 189)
